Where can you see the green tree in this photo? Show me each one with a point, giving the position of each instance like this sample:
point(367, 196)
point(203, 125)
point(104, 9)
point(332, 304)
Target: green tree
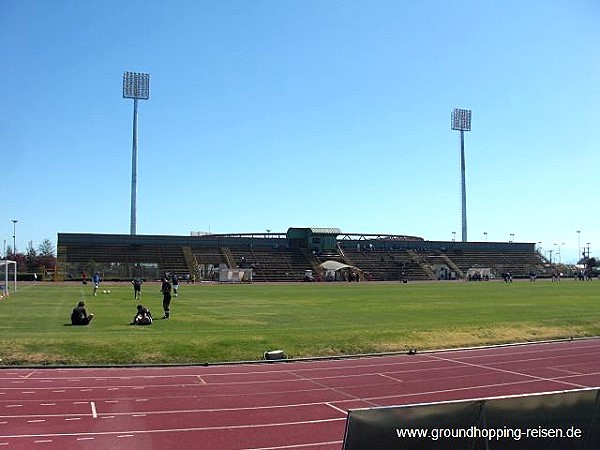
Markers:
point(46, 255)
point(31, 258)
point(46, 248)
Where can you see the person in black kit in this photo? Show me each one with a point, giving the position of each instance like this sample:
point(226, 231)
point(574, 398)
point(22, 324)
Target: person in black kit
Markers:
point(79, 316)
point(137, 287)
point(166, 291)
point(143, 316)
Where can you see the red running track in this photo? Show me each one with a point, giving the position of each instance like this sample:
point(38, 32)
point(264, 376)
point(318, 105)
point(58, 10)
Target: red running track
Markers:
point(285, 405)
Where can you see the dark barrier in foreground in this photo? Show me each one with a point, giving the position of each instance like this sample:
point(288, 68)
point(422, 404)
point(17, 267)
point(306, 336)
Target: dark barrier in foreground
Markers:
point(567, 420)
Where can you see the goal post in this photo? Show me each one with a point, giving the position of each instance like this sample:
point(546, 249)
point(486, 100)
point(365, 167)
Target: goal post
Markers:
point(5, 266)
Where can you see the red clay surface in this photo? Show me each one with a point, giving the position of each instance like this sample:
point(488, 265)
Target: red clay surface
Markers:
point(291, 405)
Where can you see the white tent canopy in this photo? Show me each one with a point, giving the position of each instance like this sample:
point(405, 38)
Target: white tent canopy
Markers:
point(333, 270)
point(334, 265)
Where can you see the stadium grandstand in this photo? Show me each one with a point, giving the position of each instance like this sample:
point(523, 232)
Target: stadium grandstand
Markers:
point(299, 254)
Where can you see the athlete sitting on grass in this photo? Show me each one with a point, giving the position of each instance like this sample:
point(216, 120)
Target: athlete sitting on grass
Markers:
point(79, 316)
point(143, 316)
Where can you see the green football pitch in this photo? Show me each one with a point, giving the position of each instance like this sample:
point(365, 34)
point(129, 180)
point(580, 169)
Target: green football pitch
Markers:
point(217, 323)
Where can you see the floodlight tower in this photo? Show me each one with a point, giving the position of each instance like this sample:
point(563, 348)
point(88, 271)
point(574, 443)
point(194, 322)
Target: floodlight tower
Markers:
point(135, 86)
point(461, 121)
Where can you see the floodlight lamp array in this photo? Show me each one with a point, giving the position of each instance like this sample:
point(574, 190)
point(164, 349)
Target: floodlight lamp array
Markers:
point(461, 119)
point(136, 85)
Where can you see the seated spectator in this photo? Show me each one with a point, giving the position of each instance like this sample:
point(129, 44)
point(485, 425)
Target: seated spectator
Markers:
point(79, 316)
point(143, 316)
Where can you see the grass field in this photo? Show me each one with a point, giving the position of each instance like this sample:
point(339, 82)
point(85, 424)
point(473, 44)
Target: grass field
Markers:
point(216, 323)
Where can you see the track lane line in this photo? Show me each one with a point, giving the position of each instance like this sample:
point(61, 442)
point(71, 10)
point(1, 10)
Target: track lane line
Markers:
point(176, 430)
point(512, 372)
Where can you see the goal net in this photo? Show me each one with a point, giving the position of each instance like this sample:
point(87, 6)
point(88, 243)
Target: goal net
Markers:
point(8, 269)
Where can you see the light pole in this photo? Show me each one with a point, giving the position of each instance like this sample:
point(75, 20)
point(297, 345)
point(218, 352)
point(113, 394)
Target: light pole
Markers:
point(560, 253)
point(578, 245)
point(453, 236)
point(135, 86)
point(512, 237)
point(14, 221)
point(461, 121)
point(485, 235)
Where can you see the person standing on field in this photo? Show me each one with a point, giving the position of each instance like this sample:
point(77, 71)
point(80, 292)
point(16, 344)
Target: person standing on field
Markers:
point(166, 291)
point(175, 279)
point(96, 281)
point(137, 288)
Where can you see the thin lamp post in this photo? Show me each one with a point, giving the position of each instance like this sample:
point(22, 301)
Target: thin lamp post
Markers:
point(14, 221)
point(5, 270)
point(560, 252)
point(135, 86)
point(461, 121)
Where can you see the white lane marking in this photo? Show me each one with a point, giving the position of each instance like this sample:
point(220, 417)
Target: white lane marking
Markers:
point(311, 445)
point(512, 372)
point(178, 430)
point(345, 413)
point(94, 412)
point(390, 377)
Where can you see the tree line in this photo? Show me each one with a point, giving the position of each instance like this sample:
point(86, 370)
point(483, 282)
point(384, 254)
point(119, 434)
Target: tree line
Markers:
point(34, 260)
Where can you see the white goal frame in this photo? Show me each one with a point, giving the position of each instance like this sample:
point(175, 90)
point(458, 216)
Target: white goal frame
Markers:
point(4, 267)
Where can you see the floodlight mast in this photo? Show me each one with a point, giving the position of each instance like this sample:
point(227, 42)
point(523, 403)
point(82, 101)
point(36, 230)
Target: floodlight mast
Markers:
point(135, 86)
point(461, 121)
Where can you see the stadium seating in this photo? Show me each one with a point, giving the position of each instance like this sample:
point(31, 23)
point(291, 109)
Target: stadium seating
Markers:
point(273, 257)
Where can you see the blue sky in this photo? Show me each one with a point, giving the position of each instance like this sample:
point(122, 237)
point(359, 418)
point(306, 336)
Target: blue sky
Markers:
point(273, 114)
